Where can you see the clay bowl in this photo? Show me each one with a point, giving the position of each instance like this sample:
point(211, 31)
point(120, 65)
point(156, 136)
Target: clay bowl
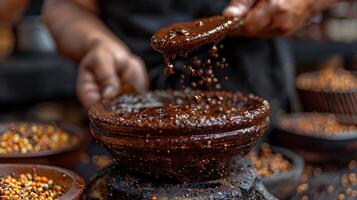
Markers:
point(67, 157)
point(317, 148)
point(284, 185)
point(72, 183)
point(183, 149)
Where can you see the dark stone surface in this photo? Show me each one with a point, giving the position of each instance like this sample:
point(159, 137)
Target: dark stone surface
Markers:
point(242, 184)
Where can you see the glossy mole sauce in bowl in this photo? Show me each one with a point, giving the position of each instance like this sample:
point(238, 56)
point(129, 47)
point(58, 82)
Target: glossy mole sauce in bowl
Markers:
point(185, 136)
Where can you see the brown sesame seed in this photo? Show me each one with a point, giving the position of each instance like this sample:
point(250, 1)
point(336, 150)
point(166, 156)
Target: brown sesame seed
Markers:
point(32, 137)
point(26, 186)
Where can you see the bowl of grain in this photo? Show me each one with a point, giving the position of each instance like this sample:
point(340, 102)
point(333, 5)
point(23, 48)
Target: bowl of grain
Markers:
point(40, 143)
point(26, 181)
point(317, 137)
point(279, 168)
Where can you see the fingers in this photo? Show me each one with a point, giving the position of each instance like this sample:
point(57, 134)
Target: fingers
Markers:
point(136, 75)
point(103, 67)
point(288, 18)
point(238, 8)
point(87, 89)
point(268, 18)
point(97, 78)
point(258, 19)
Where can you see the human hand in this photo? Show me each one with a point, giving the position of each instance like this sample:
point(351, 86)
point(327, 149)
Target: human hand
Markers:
point(104, 68)
point(268, 18)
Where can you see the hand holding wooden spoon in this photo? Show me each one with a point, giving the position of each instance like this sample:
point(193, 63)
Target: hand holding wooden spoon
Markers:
point(269, 18)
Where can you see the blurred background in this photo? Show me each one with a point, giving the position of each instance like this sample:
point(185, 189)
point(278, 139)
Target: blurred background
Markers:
point(36, 80)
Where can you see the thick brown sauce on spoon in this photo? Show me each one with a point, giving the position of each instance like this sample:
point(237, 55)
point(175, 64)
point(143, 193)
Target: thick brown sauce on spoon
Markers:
point(181, 38)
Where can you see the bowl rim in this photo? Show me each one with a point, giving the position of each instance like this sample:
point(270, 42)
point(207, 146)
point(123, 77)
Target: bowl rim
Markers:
point(343, 137)
point(77, 186)
point(100, 117)
point(191, 142)
point(327, 91)
point(69, 128)
point(296, 160)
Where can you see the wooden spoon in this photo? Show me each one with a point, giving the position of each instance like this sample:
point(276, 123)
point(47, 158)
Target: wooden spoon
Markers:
point(181, 38)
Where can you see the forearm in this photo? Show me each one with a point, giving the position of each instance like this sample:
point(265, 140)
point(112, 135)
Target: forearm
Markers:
point(74, 28)
point(11, 10)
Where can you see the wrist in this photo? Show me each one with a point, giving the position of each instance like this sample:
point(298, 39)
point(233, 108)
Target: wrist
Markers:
point(95, 39)
point(90, 41)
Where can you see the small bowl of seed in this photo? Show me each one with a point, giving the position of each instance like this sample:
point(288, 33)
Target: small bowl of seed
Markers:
point(26, 181)
point(279, 168)
point(39, 143)
point(317, 137)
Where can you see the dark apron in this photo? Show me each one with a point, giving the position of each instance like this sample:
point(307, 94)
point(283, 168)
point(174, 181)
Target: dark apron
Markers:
point(256, 66)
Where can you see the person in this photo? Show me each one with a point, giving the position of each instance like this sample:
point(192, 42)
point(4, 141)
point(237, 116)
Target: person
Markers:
point(110, 39)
